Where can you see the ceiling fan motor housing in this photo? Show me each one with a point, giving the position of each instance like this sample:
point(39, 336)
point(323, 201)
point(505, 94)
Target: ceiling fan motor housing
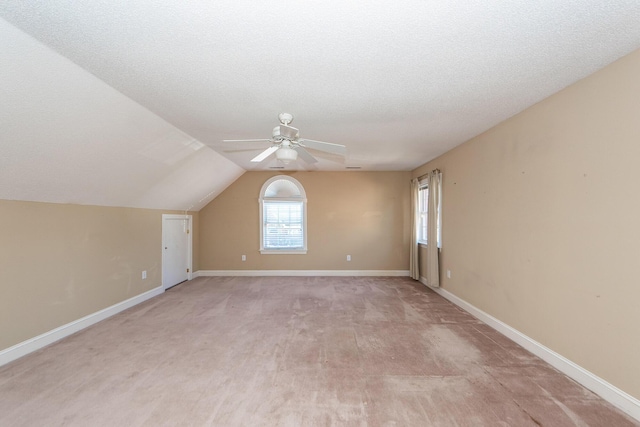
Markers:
point(284, 132)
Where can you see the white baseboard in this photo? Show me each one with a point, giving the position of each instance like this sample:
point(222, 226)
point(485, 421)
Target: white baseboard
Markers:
point(607, 391)
point(202, 273)
point(22, 349)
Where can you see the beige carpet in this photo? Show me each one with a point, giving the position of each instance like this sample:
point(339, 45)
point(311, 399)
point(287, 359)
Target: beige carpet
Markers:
point(291, 351)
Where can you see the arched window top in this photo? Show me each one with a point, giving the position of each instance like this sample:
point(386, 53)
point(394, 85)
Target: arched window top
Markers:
point(282, 187)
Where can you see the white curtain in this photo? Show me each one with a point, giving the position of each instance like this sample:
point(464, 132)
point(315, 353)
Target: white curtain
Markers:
point(414, 266)
point(435, 191)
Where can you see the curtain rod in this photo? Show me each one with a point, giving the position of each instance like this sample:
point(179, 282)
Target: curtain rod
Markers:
point(427, 174)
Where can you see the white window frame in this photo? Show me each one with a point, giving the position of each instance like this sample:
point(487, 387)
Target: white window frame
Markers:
point(423, 203)
point(423, 215)
point(300, 197)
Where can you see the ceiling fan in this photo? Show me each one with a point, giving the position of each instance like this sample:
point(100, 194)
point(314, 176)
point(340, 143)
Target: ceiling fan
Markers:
point(287, 145)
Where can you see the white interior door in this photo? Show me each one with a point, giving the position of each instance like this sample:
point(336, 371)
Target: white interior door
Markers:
point(176, 249)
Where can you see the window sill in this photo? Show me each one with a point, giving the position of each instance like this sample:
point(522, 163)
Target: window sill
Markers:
point(283, 251)
point(424, 246)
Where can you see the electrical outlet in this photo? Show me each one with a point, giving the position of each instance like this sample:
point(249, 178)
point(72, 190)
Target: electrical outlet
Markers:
point(448, 274)
point(244, 257)
point(348, 257)
point(144, 274)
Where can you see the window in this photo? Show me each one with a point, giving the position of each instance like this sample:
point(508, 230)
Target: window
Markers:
point(283, 216)
point(283, 225)
point(423, 210)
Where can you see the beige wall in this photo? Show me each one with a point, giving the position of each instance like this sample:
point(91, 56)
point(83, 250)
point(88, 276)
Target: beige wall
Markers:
point(541, 222)
point(60, 262)
point(362, 214)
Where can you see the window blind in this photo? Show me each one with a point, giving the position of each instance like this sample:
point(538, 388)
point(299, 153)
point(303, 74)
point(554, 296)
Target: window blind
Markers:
point(423, 198)
point(423, 210)
point(283, 225)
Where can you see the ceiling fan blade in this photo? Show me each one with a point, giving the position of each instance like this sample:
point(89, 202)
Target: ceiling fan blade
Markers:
point(246, 140)
point(242, 150)
point(324, 146)
point(266, 153)
point(305, 155)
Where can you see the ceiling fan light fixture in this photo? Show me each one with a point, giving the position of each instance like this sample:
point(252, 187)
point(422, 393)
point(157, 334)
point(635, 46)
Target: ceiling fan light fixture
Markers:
point(286, 155)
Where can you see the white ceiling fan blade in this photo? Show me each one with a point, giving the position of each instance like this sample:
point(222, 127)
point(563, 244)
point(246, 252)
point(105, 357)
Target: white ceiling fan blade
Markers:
point(324, 146)
point(266, 153)
point(242, 150)
point(305, 155)
point(246, 140)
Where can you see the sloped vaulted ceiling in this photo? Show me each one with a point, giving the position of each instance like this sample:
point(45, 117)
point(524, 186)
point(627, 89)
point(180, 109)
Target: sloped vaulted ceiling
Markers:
point(127, 102)
point(68, 137)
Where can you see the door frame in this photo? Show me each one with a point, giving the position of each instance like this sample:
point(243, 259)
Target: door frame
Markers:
point(189, 219)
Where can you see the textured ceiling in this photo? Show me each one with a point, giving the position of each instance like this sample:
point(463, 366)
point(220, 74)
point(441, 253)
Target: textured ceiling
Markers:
point(398, 83)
